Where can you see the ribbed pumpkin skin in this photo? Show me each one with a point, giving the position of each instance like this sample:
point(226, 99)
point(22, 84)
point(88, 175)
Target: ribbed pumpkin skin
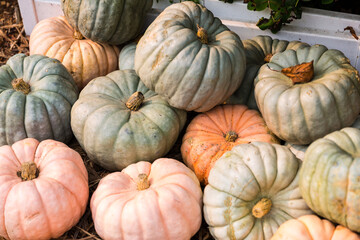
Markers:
point(302, 113)
point(243, 176)
point(49, 205)
point(127, 56)
point(204, 141)
point(256, 49)
point(171, 60)
point(114, 22)
point(330, 177)
point(311, 227)
point(42, 114)
point(170, 209)
point(84, 59)
point(115, 137)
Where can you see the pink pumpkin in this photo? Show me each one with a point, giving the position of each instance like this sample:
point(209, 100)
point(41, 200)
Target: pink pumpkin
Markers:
point(162, 200)
point(43, 189)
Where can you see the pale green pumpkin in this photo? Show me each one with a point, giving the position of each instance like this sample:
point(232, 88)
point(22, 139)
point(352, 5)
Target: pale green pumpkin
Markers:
point(190, 58)
point(258, 51)
point(127, 56)
point(36, 95)
point(117, 128)
point(330, 177)
point(301, 113)
point(114, 22)
point(252, 190)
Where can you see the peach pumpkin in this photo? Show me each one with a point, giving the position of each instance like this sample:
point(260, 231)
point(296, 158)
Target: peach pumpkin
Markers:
point(43, 189)
point(83, 58)
point(311, 227)
point(162, 200)
point(211, 134)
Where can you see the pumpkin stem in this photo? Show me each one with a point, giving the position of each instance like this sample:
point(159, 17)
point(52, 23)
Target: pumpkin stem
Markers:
point(268, 57)
point(262, 208)
point(142, 182)
point(77, 35)
point(28, 171)
point(135, 100)
point(202, 35)
point(301, 73)
point(20, 85)
point(231, 136)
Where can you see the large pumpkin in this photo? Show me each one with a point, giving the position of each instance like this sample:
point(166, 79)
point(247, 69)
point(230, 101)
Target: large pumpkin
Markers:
point(83, 58)
point(330, 177)
point(303, 112)
point(144, 201)
point(252, 190)
point(311, 227)
point(114, 22)
point(118, 121)
point(189, 57)
point(259, 51)
point(36, 95)
point(211, 134)
point(43, 189)
point(127, 56)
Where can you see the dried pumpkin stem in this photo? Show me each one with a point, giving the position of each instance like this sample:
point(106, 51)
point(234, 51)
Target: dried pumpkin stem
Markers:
point(231, 136)
point(142, 182)
point(28, 171)
point(262, 208)
point(135, 100)
point(301, 73)
point(77, 35)
point(20, 85)
point(268, 57)
point(202, 35)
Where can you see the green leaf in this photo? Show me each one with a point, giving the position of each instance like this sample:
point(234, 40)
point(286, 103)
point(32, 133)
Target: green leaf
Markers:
point(326, 1)
point(259, 5)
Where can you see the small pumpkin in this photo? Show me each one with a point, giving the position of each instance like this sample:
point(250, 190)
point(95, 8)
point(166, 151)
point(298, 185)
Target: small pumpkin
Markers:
point(127, 56)
point(311, 227)
point(211, 134)
point(258, 51)
point(162, 200)
point(83, 58)
point(114, 22)
point(43, 189)
point(36, 96)
point(190, 58)
point(252, 190)
point(301, 112)
point(118, 121)
point(330, 177)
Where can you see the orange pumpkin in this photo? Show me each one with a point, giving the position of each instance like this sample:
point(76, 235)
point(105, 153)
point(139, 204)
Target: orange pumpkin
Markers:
point(311, 227)
point(211, 134)
point(83, 58)
point(144, 201)
point(43, 189)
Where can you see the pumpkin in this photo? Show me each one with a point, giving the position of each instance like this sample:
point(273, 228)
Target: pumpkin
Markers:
point(311, 227)
point(114, 22)
point(330, 177)
point(252, 190)
point(83, 58)
point(43, 189)
point(258, 51)
point(211, 134)
point(298, 111)
point(162, 200)
point(36, 95)
point(118, 121)
point(127, 56)
point(190, 58)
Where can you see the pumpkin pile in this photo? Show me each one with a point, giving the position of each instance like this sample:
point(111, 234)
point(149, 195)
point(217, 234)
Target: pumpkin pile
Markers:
point(267, 143)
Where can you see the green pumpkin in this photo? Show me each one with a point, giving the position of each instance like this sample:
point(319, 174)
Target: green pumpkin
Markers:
point(303, 112)
point(330, 177)
point(190, 58)
point(127, 56)
point(252, 190)
point(258, 51)
point(36, 96)
point(116, 126)
point(114, 22)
